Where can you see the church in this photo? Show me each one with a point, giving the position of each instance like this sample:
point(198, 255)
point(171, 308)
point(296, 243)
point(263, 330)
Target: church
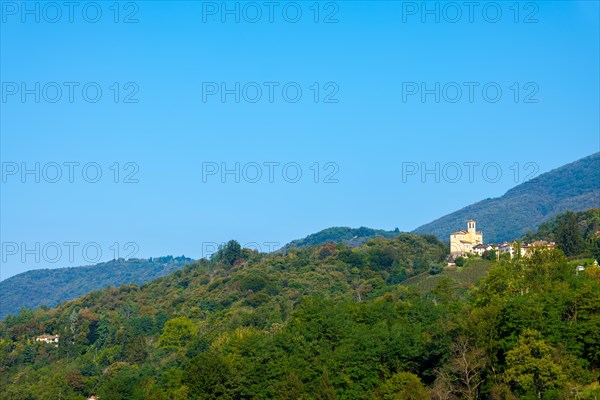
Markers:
point(464, 242)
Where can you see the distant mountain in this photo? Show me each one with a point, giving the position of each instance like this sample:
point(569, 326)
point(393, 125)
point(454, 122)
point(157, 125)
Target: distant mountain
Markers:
point(49, 287)
point(352, 237)
point(572, 187)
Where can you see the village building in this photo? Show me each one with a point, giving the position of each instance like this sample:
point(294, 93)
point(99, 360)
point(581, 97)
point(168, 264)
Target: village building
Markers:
point(527, 248)
point(50, 339)
point(507, 248)
point(464, 242)
point(482, 248)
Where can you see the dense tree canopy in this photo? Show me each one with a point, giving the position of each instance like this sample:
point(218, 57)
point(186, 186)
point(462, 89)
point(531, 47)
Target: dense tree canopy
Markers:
point(324, 322)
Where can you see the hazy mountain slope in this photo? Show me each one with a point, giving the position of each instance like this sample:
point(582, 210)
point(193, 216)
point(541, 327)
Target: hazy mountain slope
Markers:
point(572, 187)
point(49, 287)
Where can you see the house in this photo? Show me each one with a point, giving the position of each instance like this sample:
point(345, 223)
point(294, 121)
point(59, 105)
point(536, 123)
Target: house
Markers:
point(464, 242)
point(50, 339)
point(525, 248)
point(482, 248)
point(507, 248)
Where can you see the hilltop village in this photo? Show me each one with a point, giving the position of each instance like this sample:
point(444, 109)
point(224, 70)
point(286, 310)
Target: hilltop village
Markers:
point(470, 242)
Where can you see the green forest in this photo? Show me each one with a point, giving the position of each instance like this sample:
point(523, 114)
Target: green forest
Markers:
point(386, 320)
point(574, 232)
point(352, 237)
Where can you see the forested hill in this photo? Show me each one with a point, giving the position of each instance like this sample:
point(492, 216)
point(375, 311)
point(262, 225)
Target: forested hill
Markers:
point(572, 187)
point(49, 287)
point(325, 322)
point(588, 223)
point(352, 237)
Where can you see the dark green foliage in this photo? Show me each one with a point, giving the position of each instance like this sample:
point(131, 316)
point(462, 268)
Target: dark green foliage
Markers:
point(523, 208)
point(595, 248)
point(574, 233)
point(489, 255)
point(325, 389)
point(460, 261)
point(352, 237)
point(122, 384)
point(228, 253)
point(208, 376)
point(436, 269)
point(588, 222)
point(568, 235)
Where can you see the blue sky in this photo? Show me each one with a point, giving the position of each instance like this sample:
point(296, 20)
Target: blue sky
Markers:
point(366, 125)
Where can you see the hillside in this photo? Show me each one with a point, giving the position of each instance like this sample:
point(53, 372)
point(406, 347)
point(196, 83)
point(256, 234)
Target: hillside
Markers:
point(470, 275)
point(325, 322)
point(49, 287)
point(588, 222)
point(572, 187)
point(352, 237)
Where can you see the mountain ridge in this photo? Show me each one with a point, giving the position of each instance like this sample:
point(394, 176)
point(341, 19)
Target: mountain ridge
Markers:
point(571, 187)
point(352, 237)
point(51, 286)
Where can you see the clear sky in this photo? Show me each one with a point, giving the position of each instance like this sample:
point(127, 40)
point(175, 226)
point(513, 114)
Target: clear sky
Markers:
point(189, 88)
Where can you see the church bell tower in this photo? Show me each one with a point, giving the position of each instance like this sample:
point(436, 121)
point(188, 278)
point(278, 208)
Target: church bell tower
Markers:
point(471, 226)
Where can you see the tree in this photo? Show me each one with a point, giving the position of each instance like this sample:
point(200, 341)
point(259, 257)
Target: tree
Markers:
point(595, 247)
point(568, 236)
point(460, 261)
point(404, 386)
point(442, 388)
point(122, 384)
point(436, 269)
point(531, 367)
point(467, 366)
point(208, 376)
point(29, 354)
point(489, 255)
point(57, 387)
point(134, 349)
point(291, 389)
point(177, 332)
point(501, 391)
point(229, 253)
point(325, 389)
